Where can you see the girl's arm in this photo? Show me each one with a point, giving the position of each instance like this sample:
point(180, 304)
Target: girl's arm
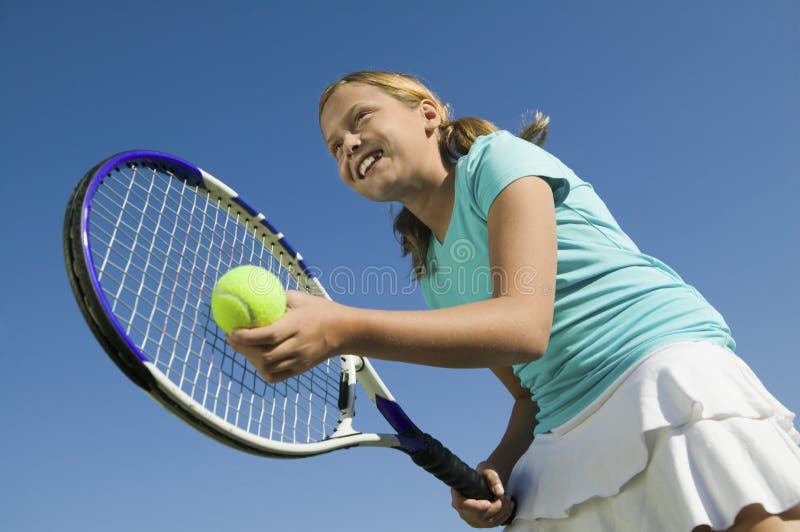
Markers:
point(519, 432)
point(512, 327)
point(497, 468)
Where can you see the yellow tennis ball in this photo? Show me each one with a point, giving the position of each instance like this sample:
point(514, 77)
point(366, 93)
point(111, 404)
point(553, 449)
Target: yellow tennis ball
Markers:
point(247, 296)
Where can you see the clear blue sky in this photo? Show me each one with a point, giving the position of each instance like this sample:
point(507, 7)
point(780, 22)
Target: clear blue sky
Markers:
point(683, 115)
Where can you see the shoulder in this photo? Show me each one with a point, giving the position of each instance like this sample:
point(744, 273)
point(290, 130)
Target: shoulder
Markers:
point(494, 161)
point(501, 143)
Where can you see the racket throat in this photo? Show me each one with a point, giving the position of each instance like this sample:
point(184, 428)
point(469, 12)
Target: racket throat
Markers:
point(346, 403)
point(345, 428)
point(409, 436)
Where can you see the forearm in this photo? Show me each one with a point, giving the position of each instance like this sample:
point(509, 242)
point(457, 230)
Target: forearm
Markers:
point(497, 332)
point(517, 438)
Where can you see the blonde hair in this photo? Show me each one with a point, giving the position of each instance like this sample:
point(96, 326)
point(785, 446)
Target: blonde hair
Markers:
point(455, 139)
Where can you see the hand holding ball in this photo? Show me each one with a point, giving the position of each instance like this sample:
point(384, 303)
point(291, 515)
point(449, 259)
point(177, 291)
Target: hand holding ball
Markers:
point(247, 296)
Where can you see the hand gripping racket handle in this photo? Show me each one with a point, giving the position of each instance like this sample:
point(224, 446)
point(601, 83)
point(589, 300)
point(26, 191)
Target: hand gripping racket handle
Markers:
point(447, 467)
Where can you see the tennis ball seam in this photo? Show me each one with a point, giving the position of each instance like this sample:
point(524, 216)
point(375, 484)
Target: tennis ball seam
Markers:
point(250, 316)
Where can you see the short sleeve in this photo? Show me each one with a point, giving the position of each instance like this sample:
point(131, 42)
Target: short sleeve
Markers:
point(497, 160)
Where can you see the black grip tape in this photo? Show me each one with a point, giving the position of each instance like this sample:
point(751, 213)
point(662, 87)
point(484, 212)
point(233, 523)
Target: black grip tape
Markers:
point(447, 467)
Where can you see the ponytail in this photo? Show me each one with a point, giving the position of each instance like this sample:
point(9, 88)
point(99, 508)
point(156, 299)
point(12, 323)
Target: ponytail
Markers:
point(455, 140)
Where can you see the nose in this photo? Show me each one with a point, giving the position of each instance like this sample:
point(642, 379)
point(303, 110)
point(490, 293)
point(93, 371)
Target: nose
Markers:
point(351, 142)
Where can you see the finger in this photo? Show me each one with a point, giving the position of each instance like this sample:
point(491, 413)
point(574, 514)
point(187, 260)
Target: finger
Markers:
point(266, 361)
point(272, 378)
point(252, 354)
point(252, 337)
point(499, 511)
point(475, 507)
point(479, 513)
point(494, 482)
point(512, 507)
point(262, 348)
point(457, 498)
point(505, 512)
point(258, 336)
point(508, 511)
point(282, 370)
point(292, 355)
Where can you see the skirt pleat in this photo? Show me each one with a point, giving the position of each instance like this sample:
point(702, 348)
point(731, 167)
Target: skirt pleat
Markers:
point(689, 436)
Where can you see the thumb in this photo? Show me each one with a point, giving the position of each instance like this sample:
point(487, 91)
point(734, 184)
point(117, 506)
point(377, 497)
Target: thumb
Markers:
point(494, 482)
point(294, 298)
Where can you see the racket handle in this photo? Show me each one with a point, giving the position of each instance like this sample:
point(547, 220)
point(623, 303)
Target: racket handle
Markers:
point(450, 469)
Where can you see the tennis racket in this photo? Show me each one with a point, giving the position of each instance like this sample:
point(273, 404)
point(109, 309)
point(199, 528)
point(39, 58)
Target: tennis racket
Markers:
point(146, 236)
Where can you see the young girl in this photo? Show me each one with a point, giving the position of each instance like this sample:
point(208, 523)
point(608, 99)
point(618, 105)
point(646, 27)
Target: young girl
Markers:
point(631, 410)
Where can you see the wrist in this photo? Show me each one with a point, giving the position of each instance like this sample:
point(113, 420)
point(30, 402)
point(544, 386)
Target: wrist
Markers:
point(503, 471)
point(346, 330)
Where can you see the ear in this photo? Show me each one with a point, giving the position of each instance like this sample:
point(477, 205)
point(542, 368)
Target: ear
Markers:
point(433, 119)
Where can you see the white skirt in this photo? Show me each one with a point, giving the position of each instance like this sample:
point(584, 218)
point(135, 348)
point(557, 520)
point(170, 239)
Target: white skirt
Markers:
point(689, 436)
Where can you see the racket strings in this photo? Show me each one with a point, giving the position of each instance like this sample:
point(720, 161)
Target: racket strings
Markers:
point(159, 245)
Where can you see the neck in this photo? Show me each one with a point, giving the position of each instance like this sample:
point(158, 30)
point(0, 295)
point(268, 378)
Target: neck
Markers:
point(434, 206)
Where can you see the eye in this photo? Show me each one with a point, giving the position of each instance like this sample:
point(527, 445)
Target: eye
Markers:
point(335, 149)
point(360, 116)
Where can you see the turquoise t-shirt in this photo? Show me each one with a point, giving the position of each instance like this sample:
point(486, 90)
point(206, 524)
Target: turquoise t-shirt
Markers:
point(613, 303)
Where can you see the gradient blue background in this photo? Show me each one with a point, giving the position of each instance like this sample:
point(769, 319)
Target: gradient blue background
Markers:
point(683, 114)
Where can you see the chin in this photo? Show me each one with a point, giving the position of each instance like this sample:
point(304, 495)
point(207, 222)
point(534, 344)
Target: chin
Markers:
point(382, 193)
point(379, 198)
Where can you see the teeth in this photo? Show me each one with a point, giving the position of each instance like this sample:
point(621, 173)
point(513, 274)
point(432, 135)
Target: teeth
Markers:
point(368, 162)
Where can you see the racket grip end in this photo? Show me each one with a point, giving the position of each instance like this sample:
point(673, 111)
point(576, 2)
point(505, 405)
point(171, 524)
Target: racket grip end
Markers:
point(450, 469)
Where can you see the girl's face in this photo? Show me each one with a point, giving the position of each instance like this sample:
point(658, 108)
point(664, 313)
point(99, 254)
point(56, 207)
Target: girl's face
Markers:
point(386, 150)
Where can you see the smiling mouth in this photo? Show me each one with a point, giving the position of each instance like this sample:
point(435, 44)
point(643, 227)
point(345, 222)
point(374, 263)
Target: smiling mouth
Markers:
point(368, 163)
